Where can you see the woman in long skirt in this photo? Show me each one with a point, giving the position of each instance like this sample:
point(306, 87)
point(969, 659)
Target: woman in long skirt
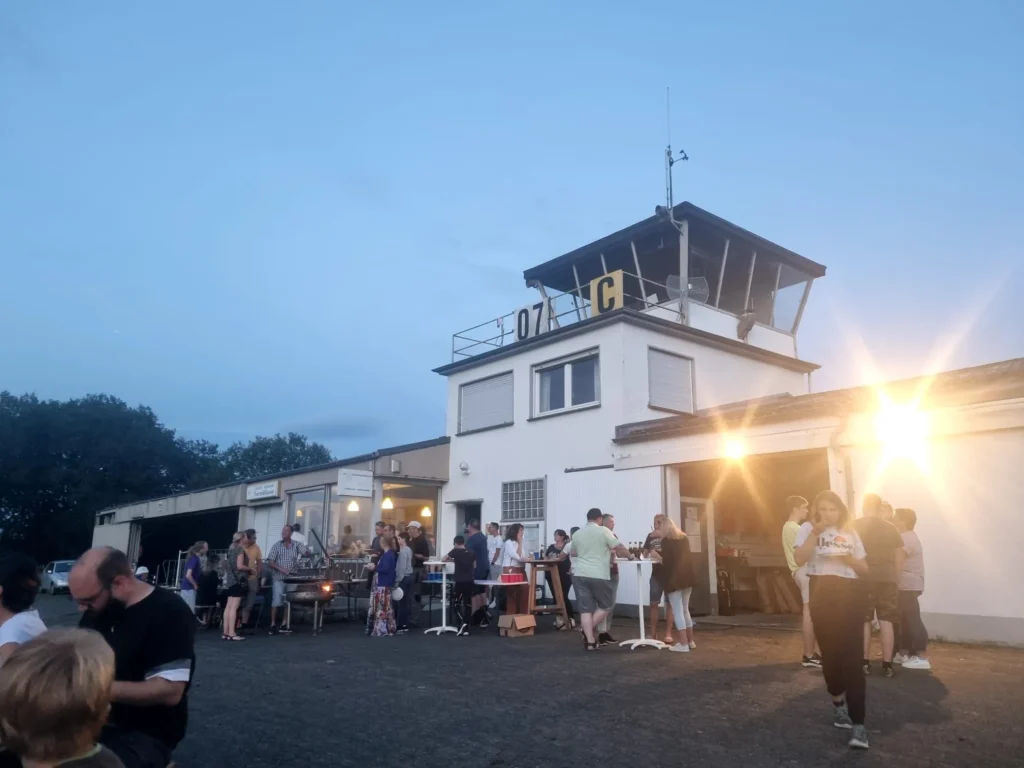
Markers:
point(380, 621)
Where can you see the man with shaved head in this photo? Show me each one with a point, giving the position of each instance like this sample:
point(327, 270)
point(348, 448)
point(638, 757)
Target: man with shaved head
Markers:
point(152, 632)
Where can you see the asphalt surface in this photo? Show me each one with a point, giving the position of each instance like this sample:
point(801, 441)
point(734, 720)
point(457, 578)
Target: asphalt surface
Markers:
point(484, 701)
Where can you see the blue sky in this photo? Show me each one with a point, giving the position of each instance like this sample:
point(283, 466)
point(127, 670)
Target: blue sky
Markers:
point(257, 217)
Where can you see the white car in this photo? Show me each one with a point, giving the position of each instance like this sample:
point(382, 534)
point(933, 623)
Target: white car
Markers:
point(55, 577)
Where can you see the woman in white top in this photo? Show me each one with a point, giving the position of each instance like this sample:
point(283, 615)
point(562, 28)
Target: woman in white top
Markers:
point(834, 556)
point(19, 585)
point(514, 564)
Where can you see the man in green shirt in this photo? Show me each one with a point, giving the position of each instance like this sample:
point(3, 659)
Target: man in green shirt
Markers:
point(797, 507)
point(591, 549)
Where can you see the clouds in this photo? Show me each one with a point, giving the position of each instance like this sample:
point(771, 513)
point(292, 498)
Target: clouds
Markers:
point(341, 429)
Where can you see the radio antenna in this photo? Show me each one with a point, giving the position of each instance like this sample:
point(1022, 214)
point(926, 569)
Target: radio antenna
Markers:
point(670, 157)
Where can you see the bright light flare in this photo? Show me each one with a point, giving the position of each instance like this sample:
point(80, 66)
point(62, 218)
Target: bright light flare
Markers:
point(735, 449)
point(353, 506)
point(903, 430)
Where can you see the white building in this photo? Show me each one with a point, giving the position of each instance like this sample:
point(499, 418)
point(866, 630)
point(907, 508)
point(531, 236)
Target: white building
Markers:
point(621, 391)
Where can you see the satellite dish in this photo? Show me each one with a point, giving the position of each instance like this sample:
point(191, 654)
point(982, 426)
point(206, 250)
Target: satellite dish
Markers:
point(698, 290)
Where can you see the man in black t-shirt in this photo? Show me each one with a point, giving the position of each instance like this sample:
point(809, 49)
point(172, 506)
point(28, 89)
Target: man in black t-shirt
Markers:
point(884, 547)
point(465, 565)
point(420, 554)
point(152, 633)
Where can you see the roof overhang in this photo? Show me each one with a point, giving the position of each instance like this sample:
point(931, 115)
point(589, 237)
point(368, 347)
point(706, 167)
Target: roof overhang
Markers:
point(557, 272)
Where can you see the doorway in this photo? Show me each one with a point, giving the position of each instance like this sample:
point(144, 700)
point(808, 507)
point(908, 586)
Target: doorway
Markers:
point(466, 511)
point(693, 519)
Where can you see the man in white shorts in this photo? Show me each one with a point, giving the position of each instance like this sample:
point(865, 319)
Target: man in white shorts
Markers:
point(797, 508)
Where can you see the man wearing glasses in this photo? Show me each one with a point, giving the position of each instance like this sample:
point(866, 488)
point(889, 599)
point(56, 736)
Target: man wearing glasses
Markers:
point(152, 633)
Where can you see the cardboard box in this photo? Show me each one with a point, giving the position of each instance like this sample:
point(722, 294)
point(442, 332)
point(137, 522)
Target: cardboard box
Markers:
point(516, 625)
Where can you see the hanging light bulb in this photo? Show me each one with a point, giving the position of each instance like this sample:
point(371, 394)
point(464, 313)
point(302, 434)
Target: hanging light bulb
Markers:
point(425, 512)
point(387, 503)
point(353, 506)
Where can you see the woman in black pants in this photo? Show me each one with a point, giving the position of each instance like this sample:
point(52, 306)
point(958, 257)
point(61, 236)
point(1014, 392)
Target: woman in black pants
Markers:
point(834, 556)
point(559, 552)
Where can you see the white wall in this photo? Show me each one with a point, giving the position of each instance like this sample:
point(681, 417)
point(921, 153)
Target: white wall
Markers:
point(115, 536)
point(721, 377)
point(546, 447)
point(723, 323)
point(532, 449)
point(968, 506)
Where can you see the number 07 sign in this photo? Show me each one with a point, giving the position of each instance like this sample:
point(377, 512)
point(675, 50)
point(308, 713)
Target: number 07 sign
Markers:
point(532, 320)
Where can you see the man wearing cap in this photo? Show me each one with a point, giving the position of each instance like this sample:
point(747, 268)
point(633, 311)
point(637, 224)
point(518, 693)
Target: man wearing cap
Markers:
point(420, 554)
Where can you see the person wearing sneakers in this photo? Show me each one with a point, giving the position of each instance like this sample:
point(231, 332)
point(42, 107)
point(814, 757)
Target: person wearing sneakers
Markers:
point(912, 638)
point(884, 549)
point(797, 507)
point(835, 559)
point(604, 633)
point(678, 579)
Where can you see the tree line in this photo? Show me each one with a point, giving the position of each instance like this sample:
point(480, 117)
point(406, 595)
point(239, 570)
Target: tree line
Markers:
point(63, 461)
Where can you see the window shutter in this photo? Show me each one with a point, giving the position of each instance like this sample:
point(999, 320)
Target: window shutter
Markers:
point(486, 403)
point(670, 381)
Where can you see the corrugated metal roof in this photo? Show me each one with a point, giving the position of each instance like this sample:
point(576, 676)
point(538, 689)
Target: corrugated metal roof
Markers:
point(984, 383)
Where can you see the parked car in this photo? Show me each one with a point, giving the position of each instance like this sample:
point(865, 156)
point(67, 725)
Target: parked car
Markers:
point(55, 577)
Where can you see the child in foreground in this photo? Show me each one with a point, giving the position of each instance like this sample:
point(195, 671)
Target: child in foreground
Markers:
point(54, 699)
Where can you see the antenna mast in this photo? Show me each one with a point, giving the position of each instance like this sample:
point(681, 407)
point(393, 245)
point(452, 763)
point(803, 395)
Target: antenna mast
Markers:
point(670, 158)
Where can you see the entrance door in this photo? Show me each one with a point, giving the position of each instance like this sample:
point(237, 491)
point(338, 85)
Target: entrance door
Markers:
point(693, 520)
point(464, 512)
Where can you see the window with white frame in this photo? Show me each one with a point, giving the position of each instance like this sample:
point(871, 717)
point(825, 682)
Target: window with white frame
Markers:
point(565, 384)
point(486, 403)
point(669, 381)
point(522, 500)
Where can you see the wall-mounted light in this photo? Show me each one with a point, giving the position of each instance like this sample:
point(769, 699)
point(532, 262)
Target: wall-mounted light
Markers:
point(353, 506)
point(426, 512)
point(298, 513)
point(387, 503)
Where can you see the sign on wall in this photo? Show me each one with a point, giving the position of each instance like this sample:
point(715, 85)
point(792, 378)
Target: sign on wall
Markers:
point(355, 482)
point(531, 320)
point(268, 490)
point(606, 293)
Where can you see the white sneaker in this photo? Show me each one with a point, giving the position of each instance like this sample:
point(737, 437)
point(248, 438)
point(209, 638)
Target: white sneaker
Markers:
point(899, 658)
point(680, 648)
point(916, 662)
point(693, 646)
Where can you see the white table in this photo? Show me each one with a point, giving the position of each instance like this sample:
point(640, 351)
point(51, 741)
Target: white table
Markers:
point(643, 639)
point(444, 599)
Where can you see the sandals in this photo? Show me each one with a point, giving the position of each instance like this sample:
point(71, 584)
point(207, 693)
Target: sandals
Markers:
point(588, 646)
point(231, 637)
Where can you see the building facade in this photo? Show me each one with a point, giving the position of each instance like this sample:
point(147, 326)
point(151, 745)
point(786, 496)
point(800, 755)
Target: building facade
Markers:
point(622, 390)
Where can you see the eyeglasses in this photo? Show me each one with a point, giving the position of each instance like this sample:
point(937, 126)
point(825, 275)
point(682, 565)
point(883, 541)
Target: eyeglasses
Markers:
point(90, 602)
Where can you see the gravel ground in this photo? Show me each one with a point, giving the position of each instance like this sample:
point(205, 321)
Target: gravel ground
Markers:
point(343, 698)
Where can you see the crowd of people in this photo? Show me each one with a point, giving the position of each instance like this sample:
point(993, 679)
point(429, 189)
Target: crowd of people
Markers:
point(134, 651)
point(851, 574)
